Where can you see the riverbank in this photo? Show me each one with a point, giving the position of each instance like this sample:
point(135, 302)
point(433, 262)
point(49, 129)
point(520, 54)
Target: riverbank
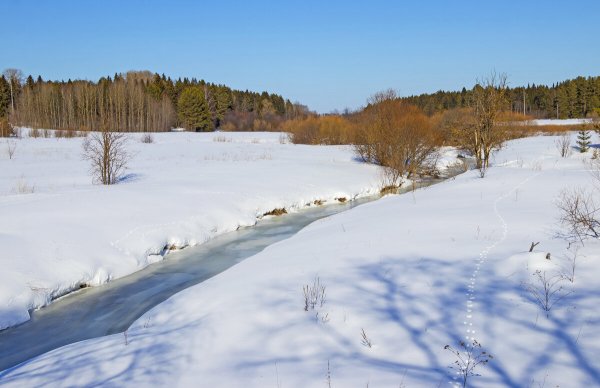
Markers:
point(59, 232)
point(403, 277)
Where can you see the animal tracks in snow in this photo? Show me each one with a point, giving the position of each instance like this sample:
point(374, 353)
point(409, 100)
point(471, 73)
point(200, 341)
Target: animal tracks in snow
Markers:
point(471, 297)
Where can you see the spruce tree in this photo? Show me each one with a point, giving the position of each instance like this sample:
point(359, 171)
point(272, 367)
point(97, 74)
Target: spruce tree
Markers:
point(583, 141)
point(192, 109)
point(4, 96)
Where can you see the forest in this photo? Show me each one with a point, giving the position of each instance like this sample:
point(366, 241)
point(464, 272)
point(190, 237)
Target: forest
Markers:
point(138, 101)
point(573, 98)
point(142, 101)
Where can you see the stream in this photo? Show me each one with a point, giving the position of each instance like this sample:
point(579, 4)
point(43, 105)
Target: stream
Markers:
point(111, 308)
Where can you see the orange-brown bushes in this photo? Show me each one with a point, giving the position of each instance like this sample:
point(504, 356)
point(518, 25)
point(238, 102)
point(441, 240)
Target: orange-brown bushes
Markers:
point(331, 129)
point(399, 137)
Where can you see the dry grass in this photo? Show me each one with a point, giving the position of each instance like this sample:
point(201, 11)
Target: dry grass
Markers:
point(22, 187)
point(222, 139)
point(147, 138)
point(276, 212)
point(391, 189)
point(519, 131)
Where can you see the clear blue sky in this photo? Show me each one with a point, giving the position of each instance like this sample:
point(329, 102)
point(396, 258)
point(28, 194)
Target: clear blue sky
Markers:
point(326, 54)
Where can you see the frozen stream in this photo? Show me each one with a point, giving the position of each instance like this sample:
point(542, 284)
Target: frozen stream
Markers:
point(113, 307)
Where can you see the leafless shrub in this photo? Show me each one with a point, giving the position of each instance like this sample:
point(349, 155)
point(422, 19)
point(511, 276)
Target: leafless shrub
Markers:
point(578, 212)
point(314, 294)
point(571, 257)
point(11, 147)
point(390, 179)
point(22, 187)
point(563, 145)
point(364, 339)
point(222, 139)
point(60, 133)
point(107, 155)
point(46, 133)
point(396, 136)
point(284, 138)
point(468, 357)
point(147, 138)
point(546, 290)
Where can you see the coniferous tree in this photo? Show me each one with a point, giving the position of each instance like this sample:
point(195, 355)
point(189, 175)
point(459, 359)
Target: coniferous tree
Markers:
point(193, 109)
point(4, 97)
point(583, 141)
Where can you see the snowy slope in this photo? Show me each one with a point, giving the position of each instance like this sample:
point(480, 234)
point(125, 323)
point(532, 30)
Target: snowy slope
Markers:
point(416, 272)
point(58, 231)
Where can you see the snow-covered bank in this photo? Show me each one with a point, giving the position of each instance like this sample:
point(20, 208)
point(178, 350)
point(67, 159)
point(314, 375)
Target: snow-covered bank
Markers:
point(560, 121)
point(414, 272)
point(58, 231)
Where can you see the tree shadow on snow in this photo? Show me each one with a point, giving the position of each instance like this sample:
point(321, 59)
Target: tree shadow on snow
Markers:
point(429, 314)
point(142, 357)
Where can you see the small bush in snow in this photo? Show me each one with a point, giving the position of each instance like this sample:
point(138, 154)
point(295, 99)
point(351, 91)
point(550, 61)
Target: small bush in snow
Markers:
point(147, 138)
point(222, 139)
point(563, 144)
point(314, 294)
point(569, 272)
point(579, 213)
point(22, 187)
point(546, 290)
point(468, 357)
point(11, 147)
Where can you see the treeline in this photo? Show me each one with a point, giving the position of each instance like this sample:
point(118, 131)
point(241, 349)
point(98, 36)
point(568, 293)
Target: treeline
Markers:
point(139, 101)
point(574, 98)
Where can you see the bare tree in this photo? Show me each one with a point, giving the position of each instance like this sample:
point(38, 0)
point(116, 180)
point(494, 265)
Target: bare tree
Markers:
point(15, 79)
point(489, 100)
point(107, 155)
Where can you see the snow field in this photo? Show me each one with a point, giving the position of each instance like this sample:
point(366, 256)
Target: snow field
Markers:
point(59, 231)
point(416, 272)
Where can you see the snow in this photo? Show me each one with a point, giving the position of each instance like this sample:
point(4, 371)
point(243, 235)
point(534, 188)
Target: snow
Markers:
point(560, 121)
point(416, 272)
point(59, 231)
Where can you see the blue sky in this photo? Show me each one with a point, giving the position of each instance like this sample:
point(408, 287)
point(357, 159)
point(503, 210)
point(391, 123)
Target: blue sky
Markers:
point(326, 54)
